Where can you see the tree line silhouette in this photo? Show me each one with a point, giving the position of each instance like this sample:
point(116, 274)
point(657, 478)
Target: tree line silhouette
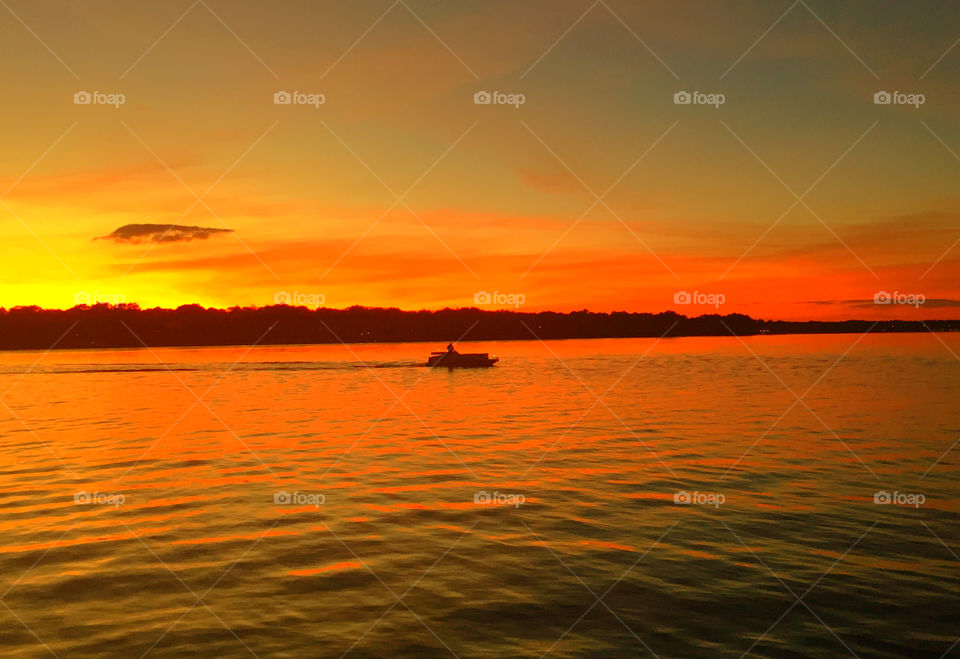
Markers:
point(129, 326)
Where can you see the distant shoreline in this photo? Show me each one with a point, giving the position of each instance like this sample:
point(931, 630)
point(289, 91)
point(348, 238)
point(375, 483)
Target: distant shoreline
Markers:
point(267, 344)
point(192, 326)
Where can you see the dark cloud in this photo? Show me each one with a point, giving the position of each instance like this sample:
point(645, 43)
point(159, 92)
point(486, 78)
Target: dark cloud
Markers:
point(161, 233)
point(941, 302)
point(936, 302)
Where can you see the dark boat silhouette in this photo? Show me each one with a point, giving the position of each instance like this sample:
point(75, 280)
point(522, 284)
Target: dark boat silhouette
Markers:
point(453, 359)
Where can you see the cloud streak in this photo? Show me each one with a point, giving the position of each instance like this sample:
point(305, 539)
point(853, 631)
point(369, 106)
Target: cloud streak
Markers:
point(161, 233)
point(937, 302)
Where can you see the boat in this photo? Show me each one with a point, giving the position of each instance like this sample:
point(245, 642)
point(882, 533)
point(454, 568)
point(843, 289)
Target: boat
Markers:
point(453, 359)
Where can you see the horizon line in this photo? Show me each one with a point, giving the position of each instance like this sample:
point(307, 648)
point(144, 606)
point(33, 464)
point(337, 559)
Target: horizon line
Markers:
point(135, 307)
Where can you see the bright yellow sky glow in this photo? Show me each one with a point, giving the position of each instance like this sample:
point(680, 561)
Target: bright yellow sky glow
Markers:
point(400, 191)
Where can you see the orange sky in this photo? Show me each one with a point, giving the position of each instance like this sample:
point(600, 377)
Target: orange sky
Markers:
point(494, 198)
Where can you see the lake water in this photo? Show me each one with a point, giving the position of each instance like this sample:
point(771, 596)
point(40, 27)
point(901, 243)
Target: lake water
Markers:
point(331, 500)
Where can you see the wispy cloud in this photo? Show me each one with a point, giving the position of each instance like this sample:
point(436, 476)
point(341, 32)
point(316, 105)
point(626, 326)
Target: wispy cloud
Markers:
point(161, 233)
point(929, 302)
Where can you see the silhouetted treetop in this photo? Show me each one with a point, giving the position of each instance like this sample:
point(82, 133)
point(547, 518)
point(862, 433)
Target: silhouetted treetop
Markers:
point(129, 326)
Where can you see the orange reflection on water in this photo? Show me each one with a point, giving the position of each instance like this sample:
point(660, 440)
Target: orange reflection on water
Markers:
point(401, 485)
point(335, 567)
point(230, 538)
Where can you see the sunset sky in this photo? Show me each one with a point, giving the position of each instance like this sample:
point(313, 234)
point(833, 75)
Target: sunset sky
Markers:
point(400, 191)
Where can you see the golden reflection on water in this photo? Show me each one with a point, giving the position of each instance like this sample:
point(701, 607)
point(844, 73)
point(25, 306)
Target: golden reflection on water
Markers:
point(215, 451)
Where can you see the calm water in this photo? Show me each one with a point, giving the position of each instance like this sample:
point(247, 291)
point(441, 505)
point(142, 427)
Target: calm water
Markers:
point(283, 502)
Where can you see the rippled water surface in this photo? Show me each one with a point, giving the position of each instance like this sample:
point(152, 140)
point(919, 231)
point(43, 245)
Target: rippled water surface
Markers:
point(323, 500)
